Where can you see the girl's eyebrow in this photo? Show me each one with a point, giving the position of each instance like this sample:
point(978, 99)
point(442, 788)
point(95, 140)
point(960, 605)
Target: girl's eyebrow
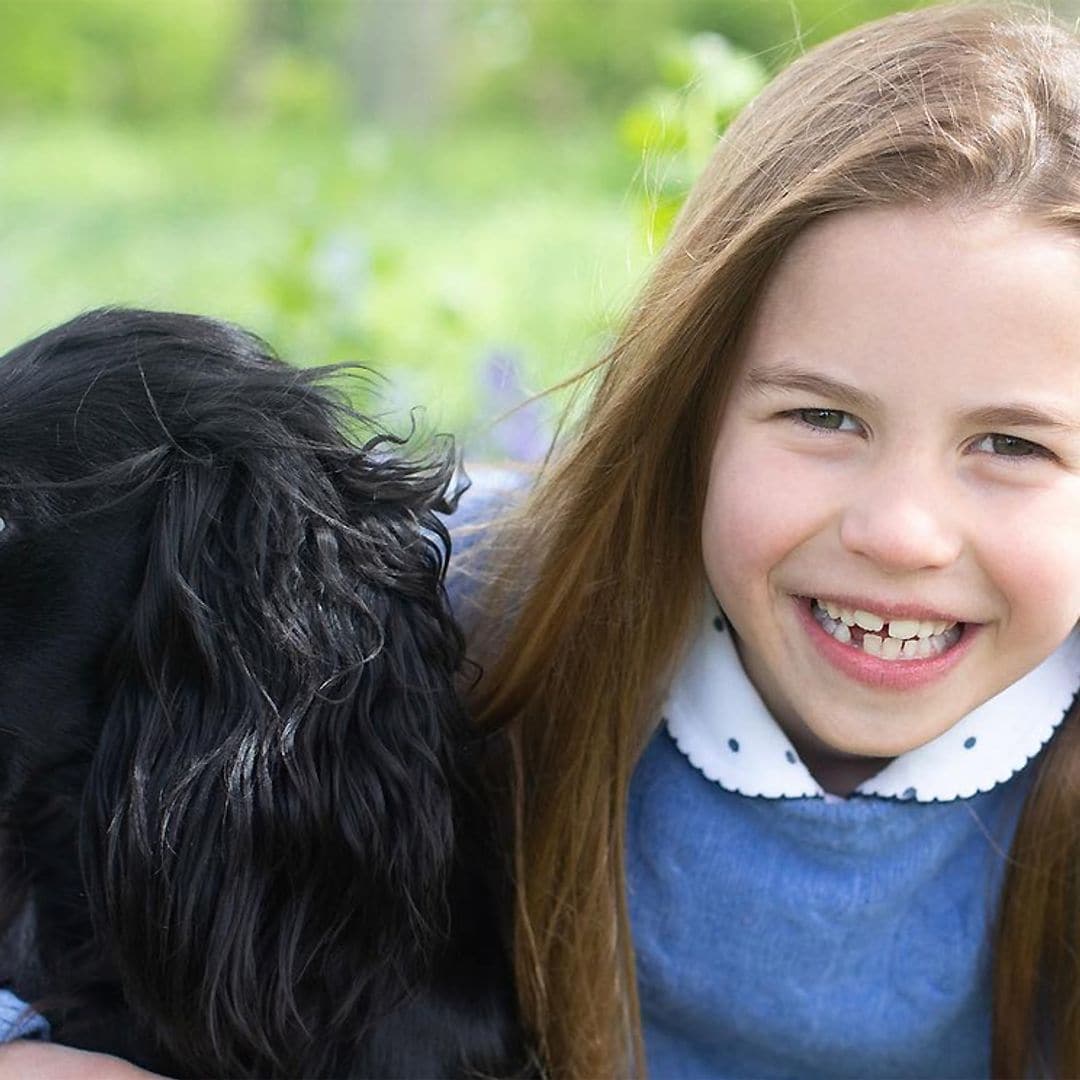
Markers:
point(1020, 414)
point(785, 376)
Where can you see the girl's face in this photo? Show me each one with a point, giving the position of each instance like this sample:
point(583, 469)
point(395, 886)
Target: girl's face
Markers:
point(902, 442)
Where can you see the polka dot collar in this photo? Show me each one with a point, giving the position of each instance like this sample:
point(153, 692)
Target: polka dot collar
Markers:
point(720, 723)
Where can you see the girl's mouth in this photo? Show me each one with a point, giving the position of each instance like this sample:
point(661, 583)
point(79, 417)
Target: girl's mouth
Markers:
point(884, 638)
point(884, 651)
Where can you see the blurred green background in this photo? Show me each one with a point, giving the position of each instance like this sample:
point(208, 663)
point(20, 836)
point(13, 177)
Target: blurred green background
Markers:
point(462, 193)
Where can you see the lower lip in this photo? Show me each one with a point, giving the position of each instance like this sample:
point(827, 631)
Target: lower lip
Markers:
point(872, 670)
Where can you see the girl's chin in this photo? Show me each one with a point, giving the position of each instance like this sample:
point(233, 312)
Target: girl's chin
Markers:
point(856, 748)
point(845, 740)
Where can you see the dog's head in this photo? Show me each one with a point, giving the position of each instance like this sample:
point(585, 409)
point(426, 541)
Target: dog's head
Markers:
point(222, 609)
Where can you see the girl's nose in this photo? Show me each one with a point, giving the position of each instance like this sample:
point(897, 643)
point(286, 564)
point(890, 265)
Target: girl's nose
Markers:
point(901, 526)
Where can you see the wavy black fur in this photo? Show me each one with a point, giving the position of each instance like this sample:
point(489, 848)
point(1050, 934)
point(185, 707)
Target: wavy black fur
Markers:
point(231, 755)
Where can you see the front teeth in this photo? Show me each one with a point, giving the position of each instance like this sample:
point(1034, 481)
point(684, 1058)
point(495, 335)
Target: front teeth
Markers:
point(905, 639)
point(898, 628)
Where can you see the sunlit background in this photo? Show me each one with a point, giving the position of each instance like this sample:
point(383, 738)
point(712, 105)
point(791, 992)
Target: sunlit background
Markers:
point(460, 193)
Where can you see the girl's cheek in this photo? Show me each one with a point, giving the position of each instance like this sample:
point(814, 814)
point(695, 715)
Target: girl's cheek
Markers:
point(761, 506)
point(1032, 558)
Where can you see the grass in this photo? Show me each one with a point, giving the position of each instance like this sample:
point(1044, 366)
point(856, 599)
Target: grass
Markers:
point(423, 257)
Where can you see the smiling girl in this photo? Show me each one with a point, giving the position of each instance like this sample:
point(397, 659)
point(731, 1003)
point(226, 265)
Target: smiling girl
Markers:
point(790, 669)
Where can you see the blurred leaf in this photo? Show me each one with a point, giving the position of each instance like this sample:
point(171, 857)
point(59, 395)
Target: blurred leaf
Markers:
point(287, 86)
point(675, 125)
point(654, 124)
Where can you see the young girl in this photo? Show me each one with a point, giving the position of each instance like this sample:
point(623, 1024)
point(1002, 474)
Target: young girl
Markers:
point(789, 670)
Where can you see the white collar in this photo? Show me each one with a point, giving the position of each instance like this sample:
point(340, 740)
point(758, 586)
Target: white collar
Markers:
point(720, 723)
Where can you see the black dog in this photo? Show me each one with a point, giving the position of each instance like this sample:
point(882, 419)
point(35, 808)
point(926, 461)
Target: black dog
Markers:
point(240, 834)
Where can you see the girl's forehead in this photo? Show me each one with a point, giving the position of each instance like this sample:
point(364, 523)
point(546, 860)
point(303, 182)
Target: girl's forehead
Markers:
point(898, 290)
point(908, 249)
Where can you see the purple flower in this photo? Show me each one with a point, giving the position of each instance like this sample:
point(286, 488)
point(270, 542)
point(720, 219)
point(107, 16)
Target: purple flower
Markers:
point(518, 433)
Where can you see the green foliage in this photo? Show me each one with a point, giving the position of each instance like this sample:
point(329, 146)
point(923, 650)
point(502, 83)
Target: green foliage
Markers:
point(557, 61)
point(779, 30)
point(424, 258)
point(675, 125)
point(127, 58)
point(140, 60)
point(416, 256)
point(288, 86)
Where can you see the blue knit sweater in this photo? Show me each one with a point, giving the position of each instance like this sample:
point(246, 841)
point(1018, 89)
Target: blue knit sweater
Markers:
point(805, 938)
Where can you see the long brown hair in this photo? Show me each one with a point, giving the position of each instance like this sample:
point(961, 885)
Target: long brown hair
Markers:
point(594, 578)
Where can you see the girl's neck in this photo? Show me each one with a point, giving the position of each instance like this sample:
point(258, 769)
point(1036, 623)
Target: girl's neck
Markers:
point(836, 774)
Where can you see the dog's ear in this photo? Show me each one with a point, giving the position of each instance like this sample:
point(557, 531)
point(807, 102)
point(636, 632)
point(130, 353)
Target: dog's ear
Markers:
point(268, 823)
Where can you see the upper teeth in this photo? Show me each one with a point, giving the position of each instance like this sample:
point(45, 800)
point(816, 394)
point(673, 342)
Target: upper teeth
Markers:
point(901, 629)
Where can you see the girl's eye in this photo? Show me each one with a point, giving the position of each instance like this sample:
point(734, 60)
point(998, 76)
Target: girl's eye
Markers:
point(1011, 446)
point(825, 419)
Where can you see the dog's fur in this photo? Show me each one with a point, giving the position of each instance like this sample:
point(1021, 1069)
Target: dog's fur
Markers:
point(232, 762)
